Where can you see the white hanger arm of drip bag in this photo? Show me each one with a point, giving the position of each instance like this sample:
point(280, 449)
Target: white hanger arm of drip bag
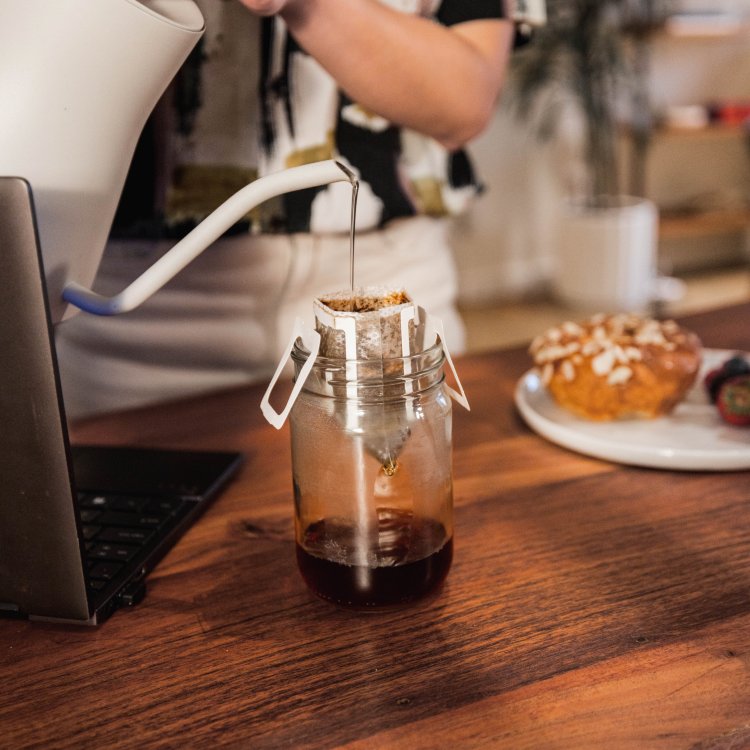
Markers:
point(209, 230)
point(311, 340)
point(433, 328)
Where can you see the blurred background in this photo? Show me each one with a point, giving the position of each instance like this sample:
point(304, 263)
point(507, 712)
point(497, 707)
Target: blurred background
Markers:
point(673, 79)
point(616, 169)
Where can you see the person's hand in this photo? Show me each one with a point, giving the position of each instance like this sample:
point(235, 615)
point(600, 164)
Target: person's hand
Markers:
point(266, 7)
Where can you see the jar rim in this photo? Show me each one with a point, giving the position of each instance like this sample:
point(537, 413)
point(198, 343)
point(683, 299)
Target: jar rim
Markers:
point(372, 379)
point(300, 354)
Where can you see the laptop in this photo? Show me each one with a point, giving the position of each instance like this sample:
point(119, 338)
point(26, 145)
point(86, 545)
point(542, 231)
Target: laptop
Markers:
point(80, 526)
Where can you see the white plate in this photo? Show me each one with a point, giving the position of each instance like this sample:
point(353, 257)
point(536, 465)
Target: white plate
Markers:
point(693, 438)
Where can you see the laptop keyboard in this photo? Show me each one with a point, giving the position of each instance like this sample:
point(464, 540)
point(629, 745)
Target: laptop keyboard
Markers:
point(117, 527)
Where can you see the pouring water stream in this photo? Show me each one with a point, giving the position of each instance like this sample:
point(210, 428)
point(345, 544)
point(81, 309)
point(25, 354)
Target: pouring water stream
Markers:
point(355, 192)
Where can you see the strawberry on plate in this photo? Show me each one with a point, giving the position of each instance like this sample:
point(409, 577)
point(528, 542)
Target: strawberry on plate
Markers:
point(716, 378)
point(734, 400)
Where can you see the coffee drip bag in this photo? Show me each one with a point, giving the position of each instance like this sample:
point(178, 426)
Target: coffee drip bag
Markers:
point(372, 328)
point(376, 332)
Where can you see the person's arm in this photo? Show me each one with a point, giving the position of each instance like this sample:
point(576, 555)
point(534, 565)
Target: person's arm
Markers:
point(437, 80)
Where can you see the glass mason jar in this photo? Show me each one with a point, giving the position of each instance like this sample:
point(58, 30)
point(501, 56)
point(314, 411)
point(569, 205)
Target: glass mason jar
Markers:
point(373, 483)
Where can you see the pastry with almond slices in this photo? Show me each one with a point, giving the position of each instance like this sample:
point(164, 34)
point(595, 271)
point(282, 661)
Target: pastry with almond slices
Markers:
point(618, 366)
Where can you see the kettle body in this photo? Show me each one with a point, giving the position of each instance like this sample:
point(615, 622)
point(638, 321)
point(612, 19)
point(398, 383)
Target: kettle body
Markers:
point(78, 80)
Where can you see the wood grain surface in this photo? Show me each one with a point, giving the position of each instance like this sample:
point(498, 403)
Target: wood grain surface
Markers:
point(590, 605)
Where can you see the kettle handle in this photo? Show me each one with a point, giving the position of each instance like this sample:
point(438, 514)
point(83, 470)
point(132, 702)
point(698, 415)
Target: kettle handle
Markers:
point(311, 339)
point(209, 230)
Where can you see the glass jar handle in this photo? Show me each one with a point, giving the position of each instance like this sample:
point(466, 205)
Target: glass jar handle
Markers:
point(311, 340)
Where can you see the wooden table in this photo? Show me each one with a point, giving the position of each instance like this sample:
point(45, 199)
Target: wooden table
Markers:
point(590, 605)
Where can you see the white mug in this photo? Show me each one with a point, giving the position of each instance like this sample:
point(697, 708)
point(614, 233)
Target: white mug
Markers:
point(606, 256)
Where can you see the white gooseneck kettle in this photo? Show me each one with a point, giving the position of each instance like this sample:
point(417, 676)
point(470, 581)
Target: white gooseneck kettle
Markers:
point(78, 79)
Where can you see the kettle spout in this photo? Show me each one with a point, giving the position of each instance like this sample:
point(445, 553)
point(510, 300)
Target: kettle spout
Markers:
point(348, 172)
point(209, 230)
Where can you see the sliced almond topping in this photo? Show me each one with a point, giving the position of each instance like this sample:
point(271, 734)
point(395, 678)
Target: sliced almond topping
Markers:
point(619, 375)
point(568, 371)
point(650, 333)
point(550, 354)
point(650, 336)
point(547, 373)
point(620, 355)
point(603, 363)
point(572, 328)
point(649, 325)
point(590, 347)
point(613, 342)
point(537, 344)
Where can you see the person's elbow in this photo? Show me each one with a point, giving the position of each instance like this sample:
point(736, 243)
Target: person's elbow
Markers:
point(466, 123)
point(470, 94)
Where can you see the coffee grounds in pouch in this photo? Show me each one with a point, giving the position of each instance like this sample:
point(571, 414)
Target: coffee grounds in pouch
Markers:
point(377, 314)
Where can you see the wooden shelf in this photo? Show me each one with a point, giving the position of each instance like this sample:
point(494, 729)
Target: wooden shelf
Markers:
point(713, 131)
point(706, 27)
point(680, 226)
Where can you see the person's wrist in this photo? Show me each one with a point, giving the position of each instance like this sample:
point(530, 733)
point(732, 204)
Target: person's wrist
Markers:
point(297, 12)
point(264, 7)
